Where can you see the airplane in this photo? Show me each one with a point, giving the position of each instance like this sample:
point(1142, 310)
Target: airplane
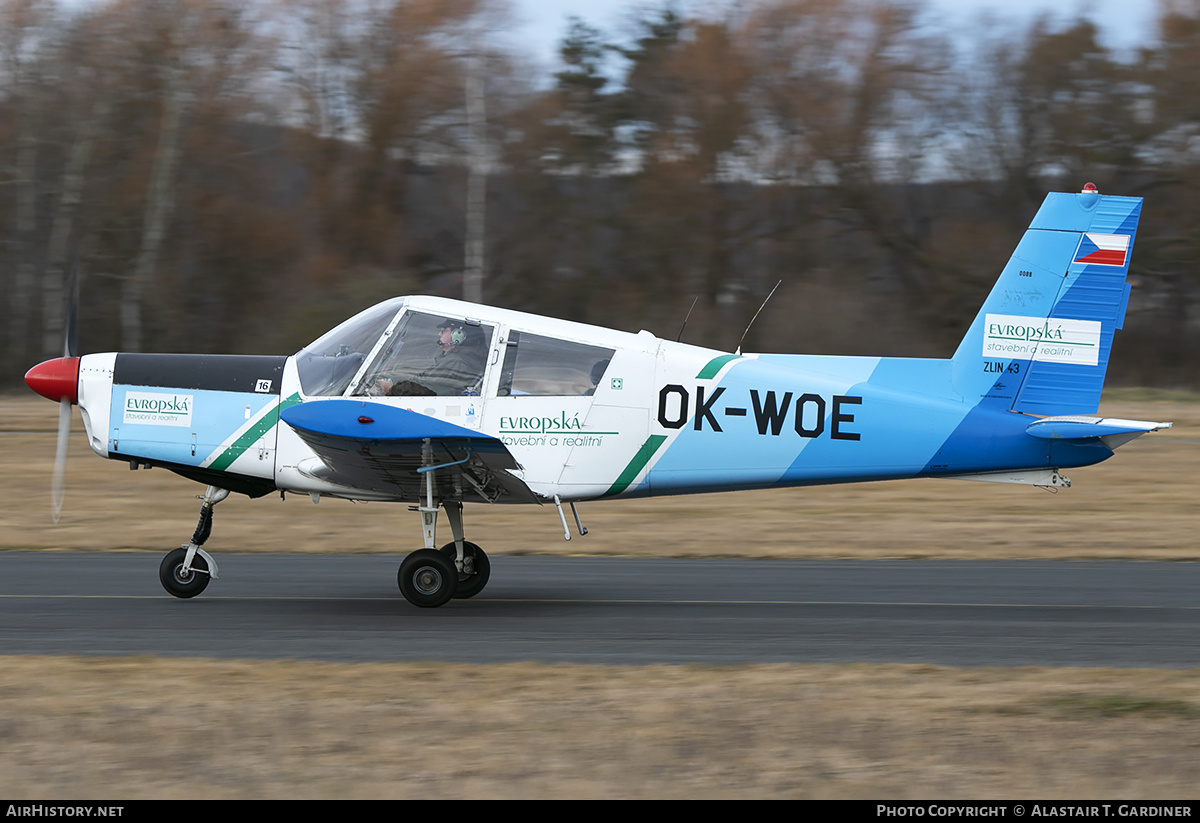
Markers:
point(437, 402)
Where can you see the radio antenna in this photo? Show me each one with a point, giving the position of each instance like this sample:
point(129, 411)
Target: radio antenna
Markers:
point(755, 317)
point(685, 319)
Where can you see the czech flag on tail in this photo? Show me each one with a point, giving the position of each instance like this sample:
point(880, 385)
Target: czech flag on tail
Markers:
point(1102, 249)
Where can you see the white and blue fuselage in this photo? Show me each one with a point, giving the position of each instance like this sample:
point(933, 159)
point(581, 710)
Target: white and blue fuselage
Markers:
point(439, 402)
point(660, 417)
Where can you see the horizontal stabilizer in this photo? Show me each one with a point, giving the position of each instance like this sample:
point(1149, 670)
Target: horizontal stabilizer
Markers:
point(381, 448)
point(1112, 431)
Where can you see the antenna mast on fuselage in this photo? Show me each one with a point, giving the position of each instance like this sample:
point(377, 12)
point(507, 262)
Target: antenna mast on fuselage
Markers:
point(755, 317)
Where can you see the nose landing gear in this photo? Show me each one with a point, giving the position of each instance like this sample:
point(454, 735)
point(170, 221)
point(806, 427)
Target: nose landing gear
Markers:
point(185, 572)
point(181, 579)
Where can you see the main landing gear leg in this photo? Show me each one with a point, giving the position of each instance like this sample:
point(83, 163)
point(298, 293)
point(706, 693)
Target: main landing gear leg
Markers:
point(429, 577)
point(473, 566)
point(185, 572)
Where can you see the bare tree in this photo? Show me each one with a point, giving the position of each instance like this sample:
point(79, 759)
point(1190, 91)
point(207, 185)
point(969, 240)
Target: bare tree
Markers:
point(26, 31)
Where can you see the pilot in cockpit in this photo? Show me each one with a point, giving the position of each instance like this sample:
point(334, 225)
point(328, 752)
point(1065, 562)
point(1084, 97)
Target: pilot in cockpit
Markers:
point(457, 368)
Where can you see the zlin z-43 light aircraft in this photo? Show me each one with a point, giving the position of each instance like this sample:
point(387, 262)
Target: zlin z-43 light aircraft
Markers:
point(437, 403)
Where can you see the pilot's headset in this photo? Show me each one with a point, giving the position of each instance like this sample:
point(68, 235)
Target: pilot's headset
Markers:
point(458, 335)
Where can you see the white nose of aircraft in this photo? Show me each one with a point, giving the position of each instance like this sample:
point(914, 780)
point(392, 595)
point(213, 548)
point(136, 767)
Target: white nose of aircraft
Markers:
point(56, 379)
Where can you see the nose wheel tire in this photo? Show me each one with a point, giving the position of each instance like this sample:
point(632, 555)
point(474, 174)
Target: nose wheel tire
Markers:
point(427, 579)
point(470, 584)
point(182, 583)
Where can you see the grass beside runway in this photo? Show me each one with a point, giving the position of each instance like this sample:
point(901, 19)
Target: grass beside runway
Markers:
point(131, 728)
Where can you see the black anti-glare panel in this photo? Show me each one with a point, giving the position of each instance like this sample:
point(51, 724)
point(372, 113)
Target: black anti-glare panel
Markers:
point(213, 372)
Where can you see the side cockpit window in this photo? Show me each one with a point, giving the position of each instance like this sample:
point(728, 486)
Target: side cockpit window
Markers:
point(429, 355)
point(547, 366)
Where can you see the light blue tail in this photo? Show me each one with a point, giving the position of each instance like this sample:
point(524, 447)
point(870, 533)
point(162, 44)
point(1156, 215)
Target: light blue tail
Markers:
point(1041, 342)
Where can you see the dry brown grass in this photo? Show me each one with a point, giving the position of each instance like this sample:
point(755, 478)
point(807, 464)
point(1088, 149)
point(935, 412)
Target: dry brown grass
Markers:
point(1139, 504)
point(153, 728)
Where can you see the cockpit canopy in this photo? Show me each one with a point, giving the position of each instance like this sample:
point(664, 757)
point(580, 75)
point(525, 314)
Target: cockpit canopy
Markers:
point(389, 349)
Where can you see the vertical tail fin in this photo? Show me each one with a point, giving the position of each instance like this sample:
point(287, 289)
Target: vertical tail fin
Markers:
point(1041, 342)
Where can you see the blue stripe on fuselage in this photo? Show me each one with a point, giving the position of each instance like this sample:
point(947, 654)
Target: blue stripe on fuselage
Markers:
point(900, 425)
point(876, 423)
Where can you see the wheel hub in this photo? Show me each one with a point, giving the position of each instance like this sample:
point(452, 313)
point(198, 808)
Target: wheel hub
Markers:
point(427, 580)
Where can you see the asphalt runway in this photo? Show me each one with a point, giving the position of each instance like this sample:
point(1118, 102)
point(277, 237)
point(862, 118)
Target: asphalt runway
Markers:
point(615, 611)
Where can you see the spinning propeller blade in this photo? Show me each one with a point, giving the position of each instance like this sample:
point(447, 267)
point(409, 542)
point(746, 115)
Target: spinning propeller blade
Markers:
point(58, 380)
point(70, 350)
point(60, 459)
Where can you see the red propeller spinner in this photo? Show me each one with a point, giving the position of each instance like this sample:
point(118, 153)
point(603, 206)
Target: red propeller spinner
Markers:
point(56, 379)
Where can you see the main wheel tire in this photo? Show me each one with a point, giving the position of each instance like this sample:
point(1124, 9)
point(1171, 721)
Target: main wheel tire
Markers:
point(472, 584)
point(178, 582)
point(427, 579)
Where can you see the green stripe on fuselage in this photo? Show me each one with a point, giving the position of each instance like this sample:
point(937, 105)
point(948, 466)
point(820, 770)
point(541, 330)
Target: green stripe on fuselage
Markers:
point(251, 435)
point(713, 366)
point(639, 461)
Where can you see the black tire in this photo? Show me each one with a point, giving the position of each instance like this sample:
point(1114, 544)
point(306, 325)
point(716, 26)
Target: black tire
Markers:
point(427, 579)
point(170, 574)
point(470, 585)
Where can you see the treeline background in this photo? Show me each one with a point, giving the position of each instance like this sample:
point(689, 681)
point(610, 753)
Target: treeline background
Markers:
point(231, 176)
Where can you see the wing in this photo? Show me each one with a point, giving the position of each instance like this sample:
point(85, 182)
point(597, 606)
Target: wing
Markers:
point(380, 448)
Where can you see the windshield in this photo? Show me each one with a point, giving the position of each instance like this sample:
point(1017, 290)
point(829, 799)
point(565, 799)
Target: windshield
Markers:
point(328, 364)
